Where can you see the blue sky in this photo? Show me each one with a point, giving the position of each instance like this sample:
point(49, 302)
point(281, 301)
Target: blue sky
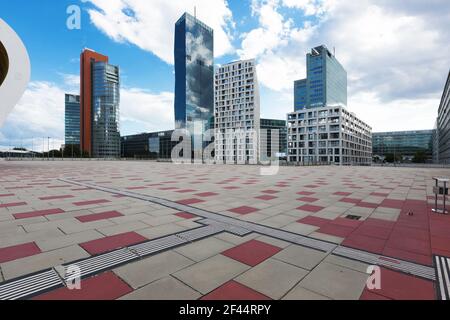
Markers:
point(391, 77)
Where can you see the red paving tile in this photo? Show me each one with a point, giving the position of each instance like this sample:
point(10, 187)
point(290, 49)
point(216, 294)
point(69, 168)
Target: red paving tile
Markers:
point(314, 221)
point(56, 197)
point(190, 201)
point(18, 252)
point(233, 290)
point(106, 244)
point(99, 216)
point(390, 203)
point(367, 205)
point(185, 215)
point(266, 197)
point(440, 243)
point(186, 191)
point(336, 230)
point(347, 222)
point(7, 195)
point(39, 213)
point(310, 208)
point(409, 244)
point(305, 193)
point(362, 242)
point(368, 295)
point(243, 210)
point(90, 202)
point(106, 286)
point(270, 191)
point(399, 286)
point(206, 194)
point(374, 231)
point(350, 200)
point(408, 256)
point(12, 204)
point(252, 252)
point(308, 199)
point(344, 194)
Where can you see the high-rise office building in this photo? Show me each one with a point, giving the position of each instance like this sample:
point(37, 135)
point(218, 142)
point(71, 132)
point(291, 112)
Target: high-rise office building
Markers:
point(237, 113)
point(325, 84)
point(443, 125)
point(194, 79)
point(270, 148)
point(72, 119)
point(99, 106)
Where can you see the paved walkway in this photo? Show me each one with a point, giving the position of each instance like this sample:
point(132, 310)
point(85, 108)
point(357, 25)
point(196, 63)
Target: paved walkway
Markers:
point(46, 222)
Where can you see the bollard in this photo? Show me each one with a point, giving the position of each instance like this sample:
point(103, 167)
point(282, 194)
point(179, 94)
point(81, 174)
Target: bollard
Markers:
point(440, 189)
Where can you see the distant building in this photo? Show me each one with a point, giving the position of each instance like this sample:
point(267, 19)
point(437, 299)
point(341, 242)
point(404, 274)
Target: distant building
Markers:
point(403, 143)
point(325, 84)
point(99, 100)
point(330, 135)
point(237, 113)
point(72, 119)
point(443, 124)
point(268, 127)
point(194, 79)
point(154, 145)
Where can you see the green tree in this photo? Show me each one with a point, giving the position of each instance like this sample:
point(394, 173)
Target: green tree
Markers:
point(420, 157)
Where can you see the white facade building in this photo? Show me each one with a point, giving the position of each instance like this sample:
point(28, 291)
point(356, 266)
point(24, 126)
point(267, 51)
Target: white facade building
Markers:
point(237, 113)
point(328, 135)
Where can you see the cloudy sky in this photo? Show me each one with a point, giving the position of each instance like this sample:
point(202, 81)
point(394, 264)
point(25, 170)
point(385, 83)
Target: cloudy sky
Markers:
point(396, 53)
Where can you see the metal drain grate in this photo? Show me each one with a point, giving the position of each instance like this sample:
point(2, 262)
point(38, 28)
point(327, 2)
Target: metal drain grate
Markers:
point(158, 245)
point(200, 233)
point(227, 227)
point(103, 262)
point(442, 265)
point(392, 263)
point(29, 286)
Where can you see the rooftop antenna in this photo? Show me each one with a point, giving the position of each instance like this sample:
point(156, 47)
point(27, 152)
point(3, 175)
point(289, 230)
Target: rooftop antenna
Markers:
point(195, 12)
point(334, 51)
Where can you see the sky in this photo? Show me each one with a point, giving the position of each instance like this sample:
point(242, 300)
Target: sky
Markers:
point(396, 53)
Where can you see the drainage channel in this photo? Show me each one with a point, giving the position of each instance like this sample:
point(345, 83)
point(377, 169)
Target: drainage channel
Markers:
point(242, 228)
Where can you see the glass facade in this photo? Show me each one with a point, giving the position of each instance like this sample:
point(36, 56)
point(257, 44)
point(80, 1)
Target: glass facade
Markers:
point(443, 126)
point(154, 145)
point(105, 111)
point(326, 82)
point(194, 78)
point(72, 119)
point(269, 125)
point(403, 143)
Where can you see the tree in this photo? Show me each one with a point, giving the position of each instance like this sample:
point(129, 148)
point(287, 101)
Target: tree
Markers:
point(390, 157)
point(420, 157)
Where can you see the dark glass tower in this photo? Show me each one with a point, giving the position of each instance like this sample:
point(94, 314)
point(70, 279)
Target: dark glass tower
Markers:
point(326, 82)
point(105, 110)
point(194, 78)
point(72, 119)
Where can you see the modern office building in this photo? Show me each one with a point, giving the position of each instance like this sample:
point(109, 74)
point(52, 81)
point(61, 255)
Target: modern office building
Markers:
point(154, 145)
point(269, 128)
point(72, 119)
point(443, 125)
point(329, 135)
point(99, 105)
point(404, 144)
point(237, 113)
point(325, 84)
point(194, 79)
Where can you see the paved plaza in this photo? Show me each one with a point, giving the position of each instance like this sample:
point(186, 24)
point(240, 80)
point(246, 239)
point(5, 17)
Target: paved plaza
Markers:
point(224, 232)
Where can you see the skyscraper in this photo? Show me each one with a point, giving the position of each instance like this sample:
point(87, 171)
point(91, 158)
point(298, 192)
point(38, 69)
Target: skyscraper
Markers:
point(194, 78)
point(99, 106)
point(72, 119)
point(326, 82)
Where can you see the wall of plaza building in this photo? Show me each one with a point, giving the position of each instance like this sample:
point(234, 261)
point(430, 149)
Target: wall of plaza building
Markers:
point(404, 143)
point(442, 154)
point(269, 128)
point(328, 134)
point(72, 120)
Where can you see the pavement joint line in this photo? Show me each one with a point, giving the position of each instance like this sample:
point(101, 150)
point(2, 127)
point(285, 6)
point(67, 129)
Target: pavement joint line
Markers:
point(325, 246)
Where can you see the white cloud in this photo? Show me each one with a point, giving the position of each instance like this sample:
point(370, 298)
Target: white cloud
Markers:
point(395, 54)
point(40, 113)
point(150, 24)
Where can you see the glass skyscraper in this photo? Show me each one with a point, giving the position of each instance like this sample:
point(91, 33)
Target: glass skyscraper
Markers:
point(194, 78)
point(105, 110)
point(72, 119)
point(326, 82)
